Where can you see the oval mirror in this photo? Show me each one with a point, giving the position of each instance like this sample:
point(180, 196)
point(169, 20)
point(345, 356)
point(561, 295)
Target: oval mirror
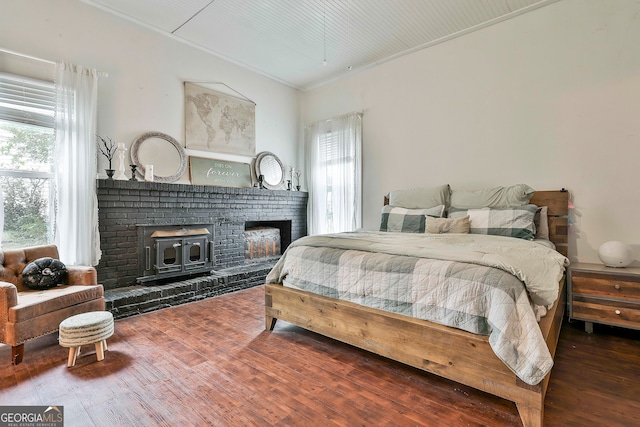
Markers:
point(167, 156)
point(270, 167)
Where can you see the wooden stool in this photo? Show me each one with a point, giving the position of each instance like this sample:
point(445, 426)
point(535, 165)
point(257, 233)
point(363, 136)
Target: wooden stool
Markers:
point(93, 327)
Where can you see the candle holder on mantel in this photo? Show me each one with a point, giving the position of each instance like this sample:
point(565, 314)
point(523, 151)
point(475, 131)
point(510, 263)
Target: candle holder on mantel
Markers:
point(133, 172)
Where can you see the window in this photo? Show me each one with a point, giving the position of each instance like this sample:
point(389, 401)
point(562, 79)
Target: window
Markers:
point(335, 172)
point(334, 159)
point(26, 160)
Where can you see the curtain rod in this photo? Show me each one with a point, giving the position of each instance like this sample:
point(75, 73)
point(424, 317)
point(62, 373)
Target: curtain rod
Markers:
point(11, 52)
point(359, 113)
point(46, 61)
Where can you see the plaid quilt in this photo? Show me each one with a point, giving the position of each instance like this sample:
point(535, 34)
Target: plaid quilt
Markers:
point(475, 298)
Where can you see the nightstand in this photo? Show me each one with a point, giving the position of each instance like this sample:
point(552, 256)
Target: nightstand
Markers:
point(599, 294)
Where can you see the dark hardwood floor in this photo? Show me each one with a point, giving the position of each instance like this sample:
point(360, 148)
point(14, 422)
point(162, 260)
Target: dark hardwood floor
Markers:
point(212, 363)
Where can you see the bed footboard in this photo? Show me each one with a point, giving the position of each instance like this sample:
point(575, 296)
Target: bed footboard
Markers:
point(448, 352)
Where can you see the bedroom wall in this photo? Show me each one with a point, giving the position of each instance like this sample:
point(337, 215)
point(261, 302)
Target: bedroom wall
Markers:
point(549, 98)
point(144, 90)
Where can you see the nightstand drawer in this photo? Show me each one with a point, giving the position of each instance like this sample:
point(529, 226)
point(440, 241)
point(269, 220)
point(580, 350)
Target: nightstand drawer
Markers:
point(606, 285)
point(616, 313)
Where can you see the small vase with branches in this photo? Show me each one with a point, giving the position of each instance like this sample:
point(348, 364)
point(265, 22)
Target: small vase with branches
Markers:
point(108, 149)
point(296, 175)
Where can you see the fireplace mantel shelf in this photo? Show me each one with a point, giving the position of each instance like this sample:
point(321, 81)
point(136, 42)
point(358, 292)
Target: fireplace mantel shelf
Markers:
point(158, 186)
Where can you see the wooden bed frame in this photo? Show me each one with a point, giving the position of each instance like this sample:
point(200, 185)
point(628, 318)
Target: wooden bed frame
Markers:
point(451, 353)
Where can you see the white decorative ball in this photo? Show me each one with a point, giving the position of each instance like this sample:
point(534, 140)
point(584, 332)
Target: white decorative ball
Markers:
point(615, 254)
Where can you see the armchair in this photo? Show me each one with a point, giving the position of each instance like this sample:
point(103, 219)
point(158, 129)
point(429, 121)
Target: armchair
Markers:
point(26, 314)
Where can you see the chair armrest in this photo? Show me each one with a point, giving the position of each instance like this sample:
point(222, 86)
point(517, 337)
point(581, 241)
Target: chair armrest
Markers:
point(81, 275)
point(8, 298)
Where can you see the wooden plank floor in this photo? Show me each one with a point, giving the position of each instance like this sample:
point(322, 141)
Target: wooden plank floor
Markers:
point(212, 363)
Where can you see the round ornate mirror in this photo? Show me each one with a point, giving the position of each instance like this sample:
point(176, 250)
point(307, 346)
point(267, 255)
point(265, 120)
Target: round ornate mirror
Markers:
point(270, 167)
point(167, 156)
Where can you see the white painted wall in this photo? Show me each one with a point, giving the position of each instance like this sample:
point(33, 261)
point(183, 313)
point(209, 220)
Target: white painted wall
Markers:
point(144, 90)
point(550, 98)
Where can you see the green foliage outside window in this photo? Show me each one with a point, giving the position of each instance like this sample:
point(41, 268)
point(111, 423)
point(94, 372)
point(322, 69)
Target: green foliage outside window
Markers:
point(25, 176)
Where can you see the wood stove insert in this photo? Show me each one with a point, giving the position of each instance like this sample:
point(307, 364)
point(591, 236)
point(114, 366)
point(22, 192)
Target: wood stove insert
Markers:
point(170, 251)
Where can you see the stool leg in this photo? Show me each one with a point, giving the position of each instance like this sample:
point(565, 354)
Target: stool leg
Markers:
point(73, 352)
point(17, 352)
point(100, 350)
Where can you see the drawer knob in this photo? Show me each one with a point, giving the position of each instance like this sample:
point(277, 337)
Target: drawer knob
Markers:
point(617, 311)
point(617, 287)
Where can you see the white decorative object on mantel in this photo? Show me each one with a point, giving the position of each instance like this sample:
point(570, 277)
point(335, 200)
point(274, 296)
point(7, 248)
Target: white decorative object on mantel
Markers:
point(148, 173)
point(121, 151)
point(615, 254)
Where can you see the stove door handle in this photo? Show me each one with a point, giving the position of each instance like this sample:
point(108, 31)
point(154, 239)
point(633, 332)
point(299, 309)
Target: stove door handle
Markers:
point(176, 245)
point(147, 253)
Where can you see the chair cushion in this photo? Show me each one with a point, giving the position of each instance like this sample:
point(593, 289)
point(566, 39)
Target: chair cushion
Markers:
point(44, 273)
point(36, 303)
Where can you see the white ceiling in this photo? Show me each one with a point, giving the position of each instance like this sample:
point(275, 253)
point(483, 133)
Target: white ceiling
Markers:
point(288, 40)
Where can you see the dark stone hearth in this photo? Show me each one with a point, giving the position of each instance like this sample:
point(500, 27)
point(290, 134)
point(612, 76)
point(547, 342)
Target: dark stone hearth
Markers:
point(132, 300)
point(124, 206)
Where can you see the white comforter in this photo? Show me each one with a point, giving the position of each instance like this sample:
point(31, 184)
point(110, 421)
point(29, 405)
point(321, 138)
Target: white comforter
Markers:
point(539, 267)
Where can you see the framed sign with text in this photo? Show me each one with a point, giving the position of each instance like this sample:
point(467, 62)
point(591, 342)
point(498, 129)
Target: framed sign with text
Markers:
point(222, 173)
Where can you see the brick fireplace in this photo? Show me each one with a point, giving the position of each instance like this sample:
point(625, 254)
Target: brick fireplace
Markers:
point(127, 207)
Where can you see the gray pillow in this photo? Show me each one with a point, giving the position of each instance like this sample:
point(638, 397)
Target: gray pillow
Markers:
point(420, 198)
point(497, 197)
point(541, 221)
point(403, 220)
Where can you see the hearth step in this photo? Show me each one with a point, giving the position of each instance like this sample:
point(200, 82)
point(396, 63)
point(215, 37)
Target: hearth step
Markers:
point(132, 300)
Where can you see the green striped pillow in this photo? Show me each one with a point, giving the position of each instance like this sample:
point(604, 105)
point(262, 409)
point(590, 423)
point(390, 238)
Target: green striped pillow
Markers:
point(403, 220)
point(515, 221)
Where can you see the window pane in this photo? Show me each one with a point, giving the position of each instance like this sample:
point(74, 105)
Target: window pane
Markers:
point(25, 179)
point(26, 211)
point(25, 147)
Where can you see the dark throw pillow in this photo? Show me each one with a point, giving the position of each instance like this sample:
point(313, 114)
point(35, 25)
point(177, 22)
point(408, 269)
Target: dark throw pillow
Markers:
point(44, 273)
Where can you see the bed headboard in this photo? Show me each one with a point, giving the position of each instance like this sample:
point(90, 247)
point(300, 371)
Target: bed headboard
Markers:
point(558, 214)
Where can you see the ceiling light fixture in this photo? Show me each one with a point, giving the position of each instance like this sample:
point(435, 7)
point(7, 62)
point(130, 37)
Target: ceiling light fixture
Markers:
point(350, 67)
point(324, 31)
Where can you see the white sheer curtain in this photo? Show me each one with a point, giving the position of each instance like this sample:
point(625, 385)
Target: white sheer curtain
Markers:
point(76, 220)
point(334, 174)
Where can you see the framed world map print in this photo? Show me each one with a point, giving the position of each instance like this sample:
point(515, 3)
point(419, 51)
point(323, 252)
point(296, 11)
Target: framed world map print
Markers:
point(217, 122)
